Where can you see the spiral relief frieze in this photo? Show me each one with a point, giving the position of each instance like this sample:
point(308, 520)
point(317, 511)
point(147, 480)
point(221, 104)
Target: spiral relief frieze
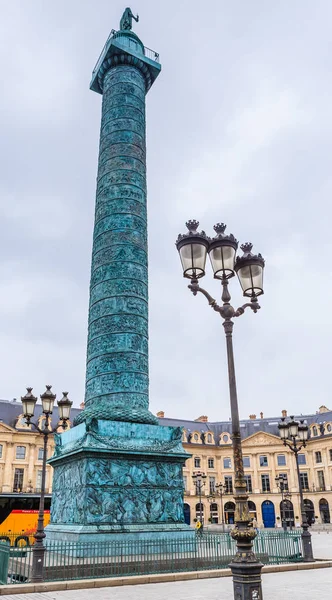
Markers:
point(117, 379)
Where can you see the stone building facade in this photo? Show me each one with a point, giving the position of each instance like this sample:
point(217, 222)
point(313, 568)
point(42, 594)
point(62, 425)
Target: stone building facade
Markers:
point(210, 446)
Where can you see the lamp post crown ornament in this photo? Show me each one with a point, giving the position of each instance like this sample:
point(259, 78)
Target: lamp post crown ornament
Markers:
point(220, 234)
point(29, 394)
point(246, 249)
point(192, 226)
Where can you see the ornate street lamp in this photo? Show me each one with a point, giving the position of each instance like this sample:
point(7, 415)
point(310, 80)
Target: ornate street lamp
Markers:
point(220, 490)
point(199, 480)
point(294, 435)
point(193, 248)
point(281, 485)
point(64, 405)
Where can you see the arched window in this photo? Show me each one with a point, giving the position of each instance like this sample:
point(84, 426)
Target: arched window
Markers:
point(213, 512)
point(200, 512)
point(324, 510)
point(252, 509)
point(310, 511)
point(314, 431)
point(196, 438)
point(329, 427)
point(229, 510)
point(287, 513)
point(209, 438)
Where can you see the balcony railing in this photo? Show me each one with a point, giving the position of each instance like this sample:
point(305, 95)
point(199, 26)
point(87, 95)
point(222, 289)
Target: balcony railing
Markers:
point(151, 54)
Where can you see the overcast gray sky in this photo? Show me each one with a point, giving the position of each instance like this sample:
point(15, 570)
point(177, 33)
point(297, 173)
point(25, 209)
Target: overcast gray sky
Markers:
point(238, 130)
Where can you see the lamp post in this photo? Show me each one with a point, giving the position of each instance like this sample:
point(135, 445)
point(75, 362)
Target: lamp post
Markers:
point(193, 248)
point(199, 480)
point(294, 435)
point(64, 405)
point(281, 485)
point(220, 490)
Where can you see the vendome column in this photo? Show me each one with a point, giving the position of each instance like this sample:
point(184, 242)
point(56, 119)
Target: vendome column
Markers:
point(117, 472)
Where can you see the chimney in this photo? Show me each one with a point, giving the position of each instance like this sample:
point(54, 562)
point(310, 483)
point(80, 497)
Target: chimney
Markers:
point(82, 405)
point(202, 419)
point(252, 417)
point(284, 413)
point(262, 416)
point(160, 414)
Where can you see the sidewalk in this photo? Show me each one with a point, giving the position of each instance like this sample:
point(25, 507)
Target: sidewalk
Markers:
point(292, 585)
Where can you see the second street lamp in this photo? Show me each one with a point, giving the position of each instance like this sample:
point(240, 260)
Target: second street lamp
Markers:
point(281, 485)
point(199, 481)
point(294, 435)
point(220, 490)
point(193, 248)
point(29, 402)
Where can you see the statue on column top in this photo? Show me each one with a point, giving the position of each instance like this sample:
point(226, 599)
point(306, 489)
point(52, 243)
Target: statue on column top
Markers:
point(127, 20)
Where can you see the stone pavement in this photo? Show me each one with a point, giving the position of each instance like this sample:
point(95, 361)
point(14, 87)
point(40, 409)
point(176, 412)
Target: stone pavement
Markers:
point(291, 585)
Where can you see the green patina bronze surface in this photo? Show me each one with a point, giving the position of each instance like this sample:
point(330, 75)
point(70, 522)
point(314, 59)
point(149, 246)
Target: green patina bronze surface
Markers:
point(117, 377)
point(118, 471)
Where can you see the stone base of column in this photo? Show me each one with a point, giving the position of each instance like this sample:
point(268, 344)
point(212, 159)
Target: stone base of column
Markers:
point(117, 480)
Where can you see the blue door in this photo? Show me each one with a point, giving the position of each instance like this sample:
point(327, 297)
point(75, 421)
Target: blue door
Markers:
point(186, 512)
point(268, 514)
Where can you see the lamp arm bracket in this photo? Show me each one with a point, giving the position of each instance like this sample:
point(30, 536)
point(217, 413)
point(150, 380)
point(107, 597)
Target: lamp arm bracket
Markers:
point(194, 288)
point(253, 305)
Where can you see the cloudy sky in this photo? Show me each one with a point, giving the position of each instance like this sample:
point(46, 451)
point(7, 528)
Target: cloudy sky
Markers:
point(239, 130)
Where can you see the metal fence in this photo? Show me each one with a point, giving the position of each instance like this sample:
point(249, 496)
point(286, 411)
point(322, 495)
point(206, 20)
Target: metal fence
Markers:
point(68, 560)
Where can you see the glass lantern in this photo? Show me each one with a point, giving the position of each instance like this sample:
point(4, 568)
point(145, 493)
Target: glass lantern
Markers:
point(64, 407)
point(222, 251)
point(47, 399)
point(29, 402)
point(192, 248)
point(249, 268)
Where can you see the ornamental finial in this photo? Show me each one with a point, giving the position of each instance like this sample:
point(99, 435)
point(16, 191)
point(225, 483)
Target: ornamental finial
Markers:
point(192, 225)
point(126, 21)
point(219, 228)
point(246, 247)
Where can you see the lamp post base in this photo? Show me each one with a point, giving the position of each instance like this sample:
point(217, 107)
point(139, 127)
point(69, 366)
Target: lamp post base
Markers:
point(307, 545)
point(38, 552)
point(247, 580)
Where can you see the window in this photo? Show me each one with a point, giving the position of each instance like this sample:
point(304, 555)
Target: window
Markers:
point(314, 431)
point(304, 481)
point(20, 452)
point(39, 480)
point(318, 457)
point(227, 463)
point(302, 459)
point(40, 453)
point(321, 480)
point(263, 462)
point(197, 463)
point(0, 451)
point(212, 485)
point(209, 438)
point(211, 463)
point(265, 483)
point(281, 459)
point(285, 478)
point(228, 484)
point(330, 453)
point(225, 438)
point(196, 437)
point(329, 427)
point(18, 480)
point(246, 461)
point(248, 482)
point(184, 483)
